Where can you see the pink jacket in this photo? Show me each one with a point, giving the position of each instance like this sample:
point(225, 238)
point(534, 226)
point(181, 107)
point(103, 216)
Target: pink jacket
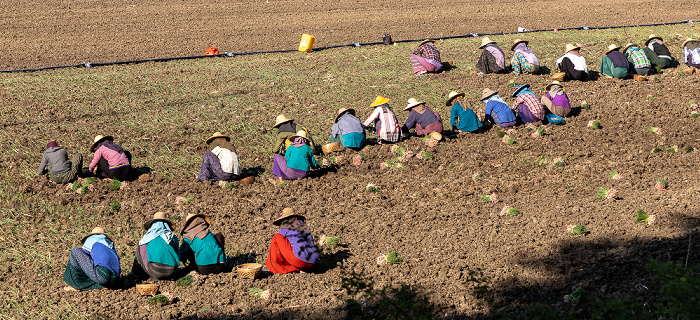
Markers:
point(115, 159)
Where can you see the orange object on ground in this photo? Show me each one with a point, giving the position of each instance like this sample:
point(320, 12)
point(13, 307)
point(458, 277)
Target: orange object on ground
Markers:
point(211, 51)
point(281, 258)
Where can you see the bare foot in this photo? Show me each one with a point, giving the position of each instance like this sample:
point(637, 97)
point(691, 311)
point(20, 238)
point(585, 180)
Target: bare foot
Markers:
point(69, 289)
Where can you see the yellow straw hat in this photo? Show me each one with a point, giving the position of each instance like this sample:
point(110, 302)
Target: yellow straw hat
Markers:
point(379, 101)
point(286, 213)
point(412, 102)
point(300, 133)
point(516, 41)
point(99, 139)
point(280, 120)
point(158, 216)
point(487, 93)
point(343, 110)
point(553, 83)
point(453, 95)
point(426, 41)
point(652, 37)
point(194, 215)
point(686, 41)
point(612, 47)
point(485, 41)
point(218, 135)
point(96, 230)
point(571, 46)
point(627, 46)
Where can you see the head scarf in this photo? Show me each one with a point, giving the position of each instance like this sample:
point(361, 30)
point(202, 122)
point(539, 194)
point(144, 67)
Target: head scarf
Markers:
point(494, 97)
point(691, 45)
point(52, 144)
point(288, 126)
point(299, 141)
point(527, 53)
point(158, 229)
point(97, 238)
point(197, 227)
point(555, 90)
point(299, 236)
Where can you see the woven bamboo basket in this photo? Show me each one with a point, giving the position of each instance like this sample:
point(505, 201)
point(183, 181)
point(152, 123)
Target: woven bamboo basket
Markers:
point(559, 76)
point(331, 147)
point(249, 270)
point(147, 289)
point(435, 135)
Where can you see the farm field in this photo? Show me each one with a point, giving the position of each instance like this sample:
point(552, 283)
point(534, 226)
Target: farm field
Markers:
point(430, 211)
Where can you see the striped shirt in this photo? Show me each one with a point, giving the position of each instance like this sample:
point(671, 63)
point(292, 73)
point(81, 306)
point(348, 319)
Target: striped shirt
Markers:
point(428, 51)
point(531, 102)
point(637, 57)
point(385, 123)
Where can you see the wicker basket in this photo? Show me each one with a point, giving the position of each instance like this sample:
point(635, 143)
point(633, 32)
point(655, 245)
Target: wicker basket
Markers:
point(331, 147)
point(559, 76)
point(147, 289)
point(435, 135)
point(249, 270)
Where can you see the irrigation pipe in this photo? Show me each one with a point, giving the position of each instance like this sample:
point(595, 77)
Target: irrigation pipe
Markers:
point(353, 44)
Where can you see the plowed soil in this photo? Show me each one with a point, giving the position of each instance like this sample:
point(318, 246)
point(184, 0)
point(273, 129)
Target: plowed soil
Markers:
point(56, 32)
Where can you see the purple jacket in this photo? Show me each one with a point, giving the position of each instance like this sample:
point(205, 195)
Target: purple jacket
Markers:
point(561, 100)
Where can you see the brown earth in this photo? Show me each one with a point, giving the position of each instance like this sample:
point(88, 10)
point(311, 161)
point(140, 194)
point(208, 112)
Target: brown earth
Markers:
point(57, 32)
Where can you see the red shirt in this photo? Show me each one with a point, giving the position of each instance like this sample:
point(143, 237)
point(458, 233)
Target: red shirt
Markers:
point(281, 258)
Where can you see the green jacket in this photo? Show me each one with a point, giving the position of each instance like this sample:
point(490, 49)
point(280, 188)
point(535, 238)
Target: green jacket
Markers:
point(206, 251)
point(300, 158)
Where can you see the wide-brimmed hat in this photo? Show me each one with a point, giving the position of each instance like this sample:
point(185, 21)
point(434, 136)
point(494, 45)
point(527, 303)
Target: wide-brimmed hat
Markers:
point(158, 216)
point(412, 102)
point(300, 133)
point(520, 87)
point(379, 101)
point(612, 47)
point(627, 46)
point(453, 95)
point(572, 46)
point(652, 37)
point(426, 41)
point(99, 139)
point(516, 41)
point(686, 41)
point(553, 83)
point(286, 213)
point(341, 111)
point(280, 120)
point(194, 215)
point(485, 41)
point(487, 93)
point(96, 230)
point(218, 135)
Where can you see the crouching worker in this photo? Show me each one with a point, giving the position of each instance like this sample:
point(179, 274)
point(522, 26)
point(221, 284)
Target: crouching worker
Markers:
point(423, 118)
point(348, 130)
point(203, 249)
point(296, 162)
point(385, 124)
point(292, 248)
point(93, 266)
point(156, 255)
point(462, 118)
point(556, 100)
point(286, 128)
point(62, 169)
point(496, 109)
point(526, 103)
point(221, 163)
point(110, 160)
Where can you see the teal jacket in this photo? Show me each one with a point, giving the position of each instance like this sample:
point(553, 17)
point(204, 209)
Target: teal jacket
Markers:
point(206, 251)
point(166, 253)
point(300, 158)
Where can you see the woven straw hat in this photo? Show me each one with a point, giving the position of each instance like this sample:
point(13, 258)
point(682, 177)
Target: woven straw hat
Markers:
point(487, 93)
point(379, 101)
point(571, 46)
point(280, 120)
point(612, 47)
point(286, 213)
point(159, 216)
point(627, 46)
point(218, 135)
point(485, 41)
point(194, 215)
point(553, 83)
point(652, 37)
point(96, 230)
point(300, 133)
point(99, 139)
point(453, 95)
point(412, 102)
point(426, 41)
point(516, 41)
point(520, 87)
point(343, 110)
point(686, 41)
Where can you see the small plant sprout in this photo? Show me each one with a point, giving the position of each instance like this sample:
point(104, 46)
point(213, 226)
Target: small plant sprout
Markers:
point(477, 175)
point(383, 166)
point(688, 149)
point(661, 184)
point(372, 188)
point(694, 114)
point(530, 127)
point(226, 184)
point(391, 258)
point(576, 296)
point(259, 293)
point(594, 124)
point(164, 298)
point(406, 156)
point(656, 150)
point(208, 313)
point(509, 211)
point(357, 160)
point(508, 140)
point(650, 97)
point(117, 185)
point(489, 198)
point(539, 132)
point(692, 105)
point(576, 229)
point(188, 280)
point(654, 130)
point(558, 162)
point(673, 149)
point(606, 193)
point(75, 186)
point(643, 217)
point(585, 106)
point(115, 206)
point(425, 155)
point(501, 134)
point(331, 242)
point(183, 200)
point(339, 159)
point(398, 150)
point(511, 131)
point(615, 176)
point(325, 162)
point(432, 143)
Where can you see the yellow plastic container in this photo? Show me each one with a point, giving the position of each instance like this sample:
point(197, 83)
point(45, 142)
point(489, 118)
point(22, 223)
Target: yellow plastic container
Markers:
point(307, 43)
